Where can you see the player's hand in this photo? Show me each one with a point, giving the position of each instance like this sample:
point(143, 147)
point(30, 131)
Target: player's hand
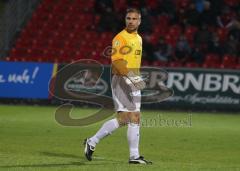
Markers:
point(136, 80)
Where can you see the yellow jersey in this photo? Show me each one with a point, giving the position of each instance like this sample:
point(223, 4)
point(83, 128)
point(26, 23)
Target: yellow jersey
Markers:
point(127, 47)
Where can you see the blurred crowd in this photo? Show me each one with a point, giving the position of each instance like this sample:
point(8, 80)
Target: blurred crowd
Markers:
point(178, 30)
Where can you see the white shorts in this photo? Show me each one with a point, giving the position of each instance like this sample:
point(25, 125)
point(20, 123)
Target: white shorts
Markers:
point(126, 98)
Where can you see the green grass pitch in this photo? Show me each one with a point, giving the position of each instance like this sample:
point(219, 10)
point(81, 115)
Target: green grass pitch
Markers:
point(31, 139)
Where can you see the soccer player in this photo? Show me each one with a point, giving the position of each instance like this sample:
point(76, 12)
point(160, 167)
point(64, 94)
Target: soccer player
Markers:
point(126, 88)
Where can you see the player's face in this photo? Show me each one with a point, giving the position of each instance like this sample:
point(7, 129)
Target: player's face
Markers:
point(133, 21)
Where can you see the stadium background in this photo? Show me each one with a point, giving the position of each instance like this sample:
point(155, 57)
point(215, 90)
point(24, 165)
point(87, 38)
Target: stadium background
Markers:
point(196, 41)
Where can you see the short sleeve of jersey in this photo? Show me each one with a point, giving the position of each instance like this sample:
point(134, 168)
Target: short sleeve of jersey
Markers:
point(117, 44)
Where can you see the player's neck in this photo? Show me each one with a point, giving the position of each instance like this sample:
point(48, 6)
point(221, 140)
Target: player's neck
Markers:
point(130, 31)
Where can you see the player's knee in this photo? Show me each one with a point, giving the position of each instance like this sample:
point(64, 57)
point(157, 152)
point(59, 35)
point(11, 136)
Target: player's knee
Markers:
point(128, 117)
point(135, 117)
point(123, 118)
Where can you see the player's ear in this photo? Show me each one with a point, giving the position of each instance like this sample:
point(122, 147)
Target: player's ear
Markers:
point(139, 21)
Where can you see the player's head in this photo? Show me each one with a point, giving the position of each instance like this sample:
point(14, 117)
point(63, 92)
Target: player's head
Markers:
point(133, 19)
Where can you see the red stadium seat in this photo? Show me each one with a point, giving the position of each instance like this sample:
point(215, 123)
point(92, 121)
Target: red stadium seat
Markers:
point(212, 58)
point(145, 63)
point(160, 30)
point(175, 64)
point(50, 54)
point(120, 5)
point(229, 62)
point(163, 20)
point(237, 66)
point(154, 39)
point(159, 64)
point(190, 32)
point(232, 3)
point(175, 31)
point(212, 61)
point(210, 65)
point(171, 40)
point(18, 53)
point(181, 3)
point(105, 61)
point(222, 33)
point(191, 65)
point(34, 53)
point(60, 31)
point(153, 4)
point(23, 43)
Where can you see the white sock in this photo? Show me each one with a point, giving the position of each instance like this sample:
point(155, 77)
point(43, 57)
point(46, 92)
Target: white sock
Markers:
point(106, 129)
point(133, 139)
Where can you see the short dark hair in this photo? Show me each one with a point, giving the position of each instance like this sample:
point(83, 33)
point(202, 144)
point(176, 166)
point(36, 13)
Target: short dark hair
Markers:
point(129, 10)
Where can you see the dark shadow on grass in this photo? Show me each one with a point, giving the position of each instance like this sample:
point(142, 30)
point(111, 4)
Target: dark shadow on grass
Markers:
point(95, 158)
point(62, 155)
point(45, 165)
point(49, 165)
point(82, 161)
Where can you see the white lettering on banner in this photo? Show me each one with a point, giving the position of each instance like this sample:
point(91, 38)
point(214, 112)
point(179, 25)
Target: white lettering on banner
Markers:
point(153, 79)
point(156, 78)
point(23, 78)
point(212, 82)
point(2, 80)
point(203, 82)
point(196, 82)
point(195, 98)
point(174, 79)
point(227, 83)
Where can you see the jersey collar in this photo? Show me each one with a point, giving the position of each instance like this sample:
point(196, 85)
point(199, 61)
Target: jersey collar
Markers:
point(133, 33)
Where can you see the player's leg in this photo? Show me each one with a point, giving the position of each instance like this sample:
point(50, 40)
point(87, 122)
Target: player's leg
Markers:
point(132, 119)
point(107, 128)
point(131, 100)
point(133, 135)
